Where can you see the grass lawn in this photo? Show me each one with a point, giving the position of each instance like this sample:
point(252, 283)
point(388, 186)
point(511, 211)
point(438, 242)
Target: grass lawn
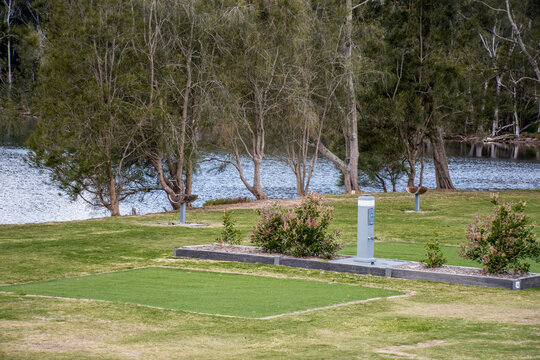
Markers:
point(204, 291)
point(442, 321)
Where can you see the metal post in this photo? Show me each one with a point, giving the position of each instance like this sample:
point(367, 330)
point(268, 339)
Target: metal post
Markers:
point(417, 203)
point(182, 213)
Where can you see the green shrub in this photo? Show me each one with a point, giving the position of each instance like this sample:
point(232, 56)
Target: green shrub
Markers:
point(503, 241)
point(227, 201)
point(229, 234)
point(434, 256)
point(301, 231)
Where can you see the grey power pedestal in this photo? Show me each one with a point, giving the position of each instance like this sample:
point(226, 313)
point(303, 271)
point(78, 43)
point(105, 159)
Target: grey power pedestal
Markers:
point(366, 234)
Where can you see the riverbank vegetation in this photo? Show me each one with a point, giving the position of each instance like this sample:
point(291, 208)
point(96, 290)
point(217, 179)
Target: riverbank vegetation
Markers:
point(126, 93)
point(435, 320)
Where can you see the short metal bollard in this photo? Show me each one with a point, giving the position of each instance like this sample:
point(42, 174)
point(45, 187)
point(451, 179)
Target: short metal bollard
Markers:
point(183, 199)
point(416, 191)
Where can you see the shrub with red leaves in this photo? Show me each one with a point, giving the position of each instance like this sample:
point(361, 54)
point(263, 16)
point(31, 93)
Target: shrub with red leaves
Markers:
point(301, 231)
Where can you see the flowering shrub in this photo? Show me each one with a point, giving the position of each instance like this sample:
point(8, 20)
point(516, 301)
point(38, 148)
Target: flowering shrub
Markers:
point(503, 241)
point(434, 257)
point(229, 234)
point(301, 231)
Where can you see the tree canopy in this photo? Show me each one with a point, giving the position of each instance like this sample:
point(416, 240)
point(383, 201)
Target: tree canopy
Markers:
point(126, 93)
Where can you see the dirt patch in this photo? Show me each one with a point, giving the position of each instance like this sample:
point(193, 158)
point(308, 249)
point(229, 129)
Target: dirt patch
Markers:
point(260, 204)
point(256, 204)
point(526, 314)
point(399, 351)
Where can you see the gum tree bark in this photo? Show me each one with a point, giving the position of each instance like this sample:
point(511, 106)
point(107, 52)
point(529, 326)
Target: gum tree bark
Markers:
point(348, 166)
point(440, 161)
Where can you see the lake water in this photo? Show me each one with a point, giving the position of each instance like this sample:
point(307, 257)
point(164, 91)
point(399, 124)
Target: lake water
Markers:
point(26, 196)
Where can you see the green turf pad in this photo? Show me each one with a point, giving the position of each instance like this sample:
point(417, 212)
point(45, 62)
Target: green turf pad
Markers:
point(204, 292)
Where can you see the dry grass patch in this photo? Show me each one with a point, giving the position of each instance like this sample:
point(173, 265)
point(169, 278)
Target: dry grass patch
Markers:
point(477, 312)
point(400, 351)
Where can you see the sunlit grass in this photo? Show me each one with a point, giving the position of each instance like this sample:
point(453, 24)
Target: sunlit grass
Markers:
point(439, 321)
point(203, 291)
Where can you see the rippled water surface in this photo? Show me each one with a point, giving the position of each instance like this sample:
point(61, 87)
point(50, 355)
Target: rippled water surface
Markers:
point(26, 195)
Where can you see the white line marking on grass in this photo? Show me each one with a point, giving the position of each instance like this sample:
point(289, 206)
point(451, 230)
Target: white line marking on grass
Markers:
point(212, 314)
point(222, 271)
point(335, 306)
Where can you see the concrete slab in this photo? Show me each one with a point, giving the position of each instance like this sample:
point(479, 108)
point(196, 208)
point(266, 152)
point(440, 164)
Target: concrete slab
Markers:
point(384, 263)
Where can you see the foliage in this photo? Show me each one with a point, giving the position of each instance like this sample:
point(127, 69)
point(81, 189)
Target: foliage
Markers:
point(434, 256)
point(230, 234)
point(301, 231)
point(142, 78)
point(227, 201)
point(87, 122)
point(504, 240)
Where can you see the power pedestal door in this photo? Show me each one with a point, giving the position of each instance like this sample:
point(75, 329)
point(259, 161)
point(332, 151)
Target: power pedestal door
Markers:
point(366, 229)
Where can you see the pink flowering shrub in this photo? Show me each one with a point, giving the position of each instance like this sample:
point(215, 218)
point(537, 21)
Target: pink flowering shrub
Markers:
point(503, 241)
point(301, 231)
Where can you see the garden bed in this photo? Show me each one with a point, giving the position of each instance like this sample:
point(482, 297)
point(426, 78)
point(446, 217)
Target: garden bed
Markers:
point(413, 271)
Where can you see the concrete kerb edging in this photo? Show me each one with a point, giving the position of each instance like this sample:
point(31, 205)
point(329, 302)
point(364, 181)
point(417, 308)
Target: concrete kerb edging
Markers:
point(514, 284)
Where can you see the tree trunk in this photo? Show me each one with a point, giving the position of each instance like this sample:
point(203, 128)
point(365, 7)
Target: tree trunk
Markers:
point(256, 156)
point(515, 116)
point(340, 164)
point(300, 191)
point(256, 189)
point(495, 124)
point(189, 180)
point(413, 144)
point(7, 19)
point(114, 207)
point(351, 127)
point(440, 162)
point(171, 187)
point(300, 162)
point(411, 159)
point(114, 195)
point(382, 182)
point(349, 166)
point(189, 177)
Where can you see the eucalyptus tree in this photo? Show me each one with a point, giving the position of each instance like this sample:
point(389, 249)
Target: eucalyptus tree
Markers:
point(523, 18)
point(88, 126)
point(427, 93)
point(176, 43)
point(253, 68)
point(20, 48)
point(509, 32)
point(498, 53)
point(8, 13)
point(308, 96)
point(525, 31)
point(337, 30)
